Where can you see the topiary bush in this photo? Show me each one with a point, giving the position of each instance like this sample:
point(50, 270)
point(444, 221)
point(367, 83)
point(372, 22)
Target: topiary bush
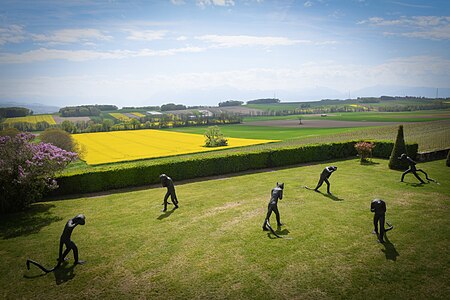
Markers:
point(399, 148)
point(447, 162)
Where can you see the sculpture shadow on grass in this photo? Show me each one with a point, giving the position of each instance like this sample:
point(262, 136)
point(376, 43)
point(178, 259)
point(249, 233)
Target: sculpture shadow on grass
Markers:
point(282, 233)
point(64, 273)
point(389, 250)
point(369, 163)
point(331, 196)
point(27, 222)
point(166, 214)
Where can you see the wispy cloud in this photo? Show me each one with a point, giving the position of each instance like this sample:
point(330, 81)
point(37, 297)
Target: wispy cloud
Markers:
point(44, 54)
point(226, 41)
point(424, 27)
point(205, 3)
point(71, 36)
point(12, 34)
point(146, 35)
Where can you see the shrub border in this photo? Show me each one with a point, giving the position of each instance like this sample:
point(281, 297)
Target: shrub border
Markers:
point(141, 174)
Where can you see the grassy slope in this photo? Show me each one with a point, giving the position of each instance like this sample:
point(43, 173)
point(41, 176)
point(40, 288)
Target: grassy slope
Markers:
point(213, 246)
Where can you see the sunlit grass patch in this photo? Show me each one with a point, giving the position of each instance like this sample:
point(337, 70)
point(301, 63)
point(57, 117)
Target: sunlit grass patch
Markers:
point(107, 147)
point(32, 119)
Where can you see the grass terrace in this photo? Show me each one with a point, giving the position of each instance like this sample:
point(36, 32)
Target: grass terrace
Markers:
point(214, 247)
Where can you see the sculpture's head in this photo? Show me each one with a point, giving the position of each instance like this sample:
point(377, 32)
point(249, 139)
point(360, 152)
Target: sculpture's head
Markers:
point(80, 219)
point(280, 185)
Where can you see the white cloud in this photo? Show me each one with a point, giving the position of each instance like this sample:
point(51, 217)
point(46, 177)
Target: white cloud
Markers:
point(146, 35)
point(44, 54)
point(424, 27)
point(308, 4)
point(182, 38)
point(12, 34)
point(205, 3)
point(226, 41)
point(177, 2)
point(71, 36)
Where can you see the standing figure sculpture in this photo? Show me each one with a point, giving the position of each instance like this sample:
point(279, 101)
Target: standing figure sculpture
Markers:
point(378, 207)
point(412, 168)
point(64, 240)
point(276, 193)
point(326, 173)
point(166, 181)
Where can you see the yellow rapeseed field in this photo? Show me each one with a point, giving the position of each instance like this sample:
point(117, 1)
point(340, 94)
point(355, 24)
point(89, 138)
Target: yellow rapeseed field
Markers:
point(115, 146)
point(138, 114)
point(120, 117)
point(32, 119)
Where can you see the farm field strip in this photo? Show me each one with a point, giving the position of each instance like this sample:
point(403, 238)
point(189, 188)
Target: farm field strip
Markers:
point(120, 116)
point(108, 147)
point(32, 119)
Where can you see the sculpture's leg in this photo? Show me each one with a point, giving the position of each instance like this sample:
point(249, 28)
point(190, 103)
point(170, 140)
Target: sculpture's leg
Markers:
point(277, 214)
point(404, 173)
point(381, 236)
point(165, 201)
point(319, 184)
point(328, 185)
point(418, 177)
point(266, 220)
point(375, 223)
point(426, 175)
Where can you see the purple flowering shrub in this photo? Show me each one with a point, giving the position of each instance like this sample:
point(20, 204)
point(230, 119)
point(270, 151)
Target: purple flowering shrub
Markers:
point(26, 170)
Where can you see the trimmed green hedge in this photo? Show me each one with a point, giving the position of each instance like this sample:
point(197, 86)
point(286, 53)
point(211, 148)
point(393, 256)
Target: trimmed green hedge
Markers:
point(141, 174)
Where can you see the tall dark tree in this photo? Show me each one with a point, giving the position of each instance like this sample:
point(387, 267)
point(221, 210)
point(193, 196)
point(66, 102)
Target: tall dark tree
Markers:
point(448, 159)
point(399, 148)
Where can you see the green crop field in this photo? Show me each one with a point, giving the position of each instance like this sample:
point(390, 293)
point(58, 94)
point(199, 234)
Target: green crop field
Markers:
point(409, 116)
point(213, 245)
point(256, 132)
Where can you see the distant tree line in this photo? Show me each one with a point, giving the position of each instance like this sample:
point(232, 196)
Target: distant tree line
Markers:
point(264, 101)
point(13, 112)
point(230, 103)
point(85, 110)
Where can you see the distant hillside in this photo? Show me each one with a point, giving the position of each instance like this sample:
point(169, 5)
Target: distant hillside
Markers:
point(37, 108)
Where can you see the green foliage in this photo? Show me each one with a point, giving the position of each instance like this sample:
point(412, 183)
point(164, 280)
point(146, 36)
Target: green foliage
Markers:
point(447, 162)
point(61, 139)
point(12, 112)
point(230, 103)
point(172, 106)
point(11, 132)
point(139, 174)
point(214, 137)
point(399, 148)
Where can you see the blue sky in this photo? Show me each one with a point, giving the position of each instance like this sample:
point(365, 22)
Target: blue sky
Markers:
point(202, 52)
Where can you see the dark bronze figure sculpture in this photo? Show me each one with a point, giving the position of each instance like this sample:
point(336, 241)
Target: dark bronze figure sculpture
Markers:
point(326, 173)
point(276, 193)
point(413, 169)
point(378, 207)
point(166, 181)
point(64, 240)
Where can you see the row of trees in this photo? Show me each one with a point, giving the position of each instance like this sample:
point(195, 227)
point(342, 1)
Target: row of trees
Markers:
point(86, 110)
point(13, 112)
point(99, 123)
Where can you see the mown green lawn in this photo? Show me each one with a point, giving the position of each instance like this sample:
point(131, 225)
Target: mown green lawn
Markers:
point(214, 247)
